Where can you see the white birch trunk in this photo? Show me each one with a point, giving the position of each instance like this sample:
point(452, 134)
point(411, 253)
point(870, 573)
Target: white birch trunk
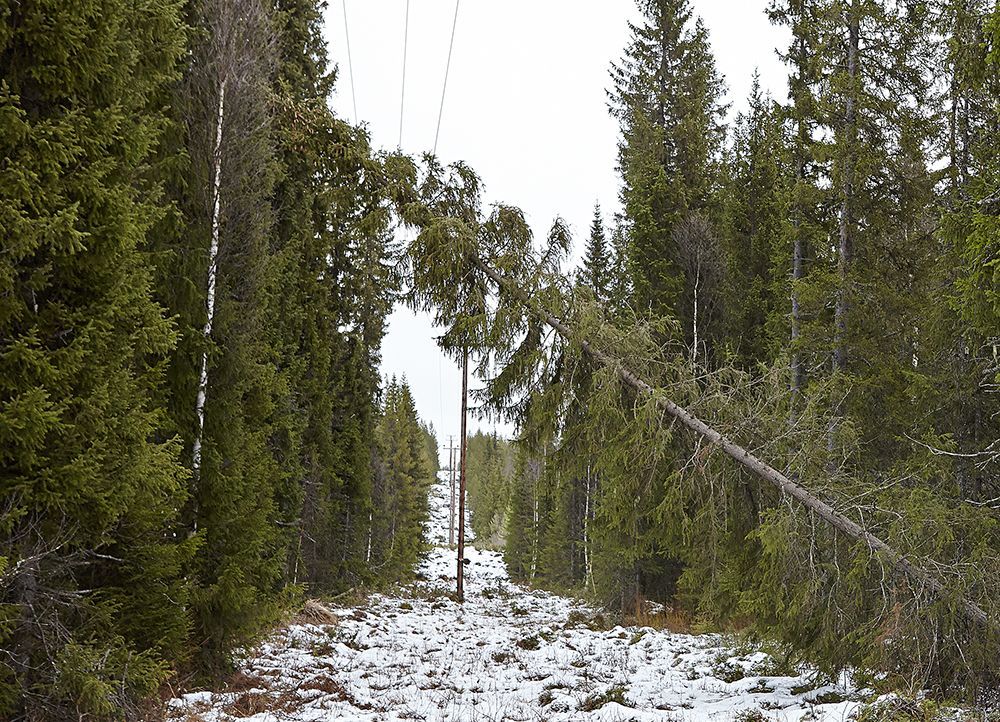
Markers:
point(213, 256)
point(697, 283)
point(368, 551)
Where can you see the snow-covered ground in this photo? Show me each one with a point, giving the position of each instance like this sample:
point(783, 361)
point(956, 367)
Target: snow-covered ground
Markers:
point(508, 653)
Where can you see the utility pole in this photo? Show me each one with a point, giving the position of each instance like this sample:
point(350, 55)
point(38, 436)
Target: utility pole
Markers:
point(451, 505)
point(461, 476)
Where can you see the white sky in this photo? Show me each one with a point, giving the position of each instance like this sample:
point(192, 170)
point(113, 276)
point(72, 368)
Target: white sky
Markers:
point(525, 107)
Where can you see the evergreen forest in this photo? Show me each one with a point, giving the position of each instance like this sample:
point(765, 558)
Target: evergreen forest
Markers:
point(765, 399)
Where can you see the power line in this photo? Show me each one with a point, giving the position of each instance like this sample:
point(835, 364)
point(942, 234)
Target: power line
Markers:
point(447, 68)
point(402, 92)
point(350, 63)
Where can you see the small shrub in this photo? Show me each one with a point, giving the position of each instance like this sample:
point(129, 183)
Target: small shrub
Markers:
point(829, 697)
point(815, 681)
point(728, 671)
point(749, 715)
point(773, 666)
point(904, 709)
point(315, 612)
point(530, 643)
point(249, 704)
point(663, 618)
point(325, 684)
point(594, 621)
point(596, 701)
point(321, 649)
point(761, 687)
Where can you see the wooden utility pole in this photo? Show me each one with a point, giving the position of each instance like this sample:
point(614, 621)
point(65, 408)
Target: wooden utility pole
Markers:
point(460, 591)
point(451, 505)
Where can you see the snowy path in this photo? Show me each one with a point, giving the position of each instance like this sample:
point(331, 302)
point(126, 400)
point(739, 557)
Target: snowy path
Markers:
point(508, 654)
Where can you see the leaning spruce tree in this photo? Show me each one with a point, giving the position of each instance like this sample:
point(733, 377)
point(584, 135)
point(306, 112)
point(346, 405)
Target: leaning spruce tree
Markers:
point(91, 598)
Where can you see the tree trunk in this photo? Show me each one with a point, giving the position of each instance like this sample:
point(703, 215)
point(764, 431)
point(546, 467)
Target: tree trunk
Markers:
point(798, 270)
point(846, 241)
point(588, 566)
point(451, 505)
point(213, 258)
point(697, 283)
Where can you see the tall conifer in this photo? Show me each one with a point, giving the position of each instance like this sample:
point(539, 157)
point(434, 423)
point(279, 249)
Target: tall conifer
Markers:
point(754, 201)
point(597, 262)
point(91, 598)
point(666, 97)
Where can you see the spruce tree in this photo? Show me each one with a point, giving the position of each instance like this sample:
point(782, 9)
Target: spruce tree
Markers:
point(873, 161)
point(489, 468)
point(521, 549)
point(402, 481)
point(217, 267)
point(91, 596)
point(967, 325)
point(666, 97)
point(597, 261)
point(808, 221)
point(884, 192)
point(309, 304)
point(754, 200)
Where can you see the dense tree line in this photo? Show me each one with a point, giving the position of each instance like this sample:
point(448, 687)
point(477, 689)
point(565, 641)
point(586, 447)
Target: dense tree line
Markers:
point(816, 279)
point(197, 264)
point(489, 465)
point(406, 468)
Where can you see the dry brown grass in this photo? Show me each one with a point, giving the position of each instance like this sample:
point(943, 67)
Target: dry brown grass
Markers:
point(315, 612)
point(249, 704)
point(662, 618)
point(240, 681)
point(325, 684)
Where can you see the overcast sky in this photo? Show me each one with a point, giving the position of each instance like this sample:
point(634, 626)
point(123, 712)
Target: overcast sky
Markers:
point(526, 107)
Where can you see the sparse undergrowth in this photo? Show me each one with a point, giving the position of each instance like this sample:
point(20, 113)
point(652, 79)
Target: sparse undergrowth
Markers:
point(596, 701)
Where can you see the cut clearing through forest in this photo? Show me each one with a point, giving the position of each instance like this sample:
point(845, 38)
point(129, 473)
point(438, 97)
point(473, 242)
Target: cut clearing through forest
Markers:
point(508, 653)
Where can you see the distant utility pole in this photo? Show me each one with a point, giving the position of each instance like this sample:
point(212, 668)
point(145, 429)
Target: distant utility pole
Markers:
point(461, 476)
point(451, 505)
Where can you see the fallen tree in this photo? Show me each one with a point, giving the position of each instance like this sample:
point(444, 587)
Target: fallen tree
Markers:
point(897, 561)
point(878, 570)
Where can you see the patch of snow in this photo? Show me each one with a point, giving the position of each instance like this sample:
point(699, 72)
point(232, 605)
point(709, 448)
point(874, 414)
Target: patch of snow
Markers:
point(508, 653)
